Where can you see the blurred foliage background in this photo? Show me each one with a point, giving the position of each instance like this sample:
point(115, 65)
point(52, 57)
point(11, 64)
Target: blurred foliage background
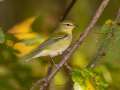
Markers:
point(27, 23)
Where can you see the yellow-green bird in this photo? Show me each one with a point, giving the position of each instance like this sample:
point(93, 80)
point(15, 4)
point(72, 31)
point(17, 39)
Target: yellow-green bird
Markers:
point(56, 44)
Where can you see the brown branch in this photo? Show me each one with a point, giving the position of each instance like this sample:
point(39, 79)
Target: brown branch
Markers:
point(39, 82)
point(68, 10)
point(82, 37)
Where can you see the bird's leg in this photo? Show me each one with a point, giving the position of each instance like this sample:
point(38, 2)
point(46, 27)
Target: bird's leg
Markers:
point(53, 62)
point(66, 64)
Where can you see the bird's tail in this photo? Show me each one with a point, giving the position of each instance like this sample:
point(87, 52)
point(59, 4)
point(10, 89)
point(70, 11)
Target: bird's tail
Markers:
point(26, 59)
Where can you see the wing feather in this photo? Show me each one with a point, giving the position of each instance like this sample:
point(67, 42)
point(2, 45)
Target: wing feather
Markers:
point(42, 46)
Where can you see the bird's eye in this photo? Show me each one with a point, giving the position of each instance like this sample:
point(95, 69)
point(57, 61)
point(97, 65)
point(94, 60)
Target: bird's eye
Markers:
point(68, 24)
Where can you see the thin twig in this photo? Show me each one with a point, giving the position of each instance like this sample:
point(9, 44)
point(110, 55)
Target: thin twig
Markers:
point(68, 67)
point(37, 83)
point(41, 81)
point(103, 47)
point(82, 37)
point(117, 20)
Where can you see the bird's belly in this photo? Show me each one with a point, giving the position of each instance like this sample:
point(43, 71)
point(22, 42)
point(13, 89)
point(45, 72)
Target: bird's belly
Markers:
point(56, 48)
point(59, 47)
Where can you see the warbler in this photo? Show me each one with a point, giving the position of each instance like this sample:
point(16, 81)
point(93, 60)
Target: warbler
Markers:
point(56, 44)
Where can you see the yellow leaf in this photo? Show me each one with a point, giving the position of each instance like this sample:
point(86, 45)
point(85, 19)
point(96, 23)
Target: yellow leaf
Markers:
point(89, 85)
point(23, 49)
point(23, 27)
point(24, 36)
point(22, 31)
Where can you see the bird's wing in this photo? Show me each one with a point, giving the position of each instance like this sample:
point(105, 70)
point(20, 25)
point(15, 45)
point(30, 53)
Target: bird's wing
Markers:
point(52, 40)
point(45, 44)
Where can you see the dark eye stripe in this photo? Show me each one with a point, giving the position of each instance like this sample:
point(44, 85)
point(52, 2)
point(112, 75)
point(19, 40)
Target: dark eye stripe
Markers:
point(67, 24)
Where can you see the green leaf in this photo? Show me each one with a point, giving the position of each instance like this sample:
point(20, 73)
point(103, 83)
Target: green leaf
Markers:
point(77, 76)
point(80, 78)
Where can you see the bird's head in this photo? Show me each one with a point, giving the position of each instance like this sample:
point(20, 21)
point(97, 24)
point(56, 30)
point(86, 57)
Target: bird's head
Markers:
point(67, 26)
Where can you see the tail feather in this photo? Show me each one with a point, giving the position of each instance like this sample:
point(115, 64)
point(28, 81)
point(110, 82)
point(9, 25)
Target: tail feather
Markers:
point(26, 59)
